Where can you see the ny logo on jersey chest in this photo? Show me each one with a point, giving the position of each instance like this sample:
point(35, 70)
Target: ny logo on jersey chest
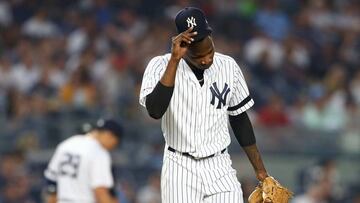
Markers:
point(221, 96)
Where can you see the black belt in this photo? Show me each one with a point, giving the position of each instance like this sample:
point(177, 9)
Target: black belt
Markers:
point(191, 156)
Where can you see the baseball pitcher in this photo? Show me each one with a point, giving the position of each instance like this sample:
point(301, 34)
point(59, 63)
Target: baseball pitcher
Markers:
point(196, 91)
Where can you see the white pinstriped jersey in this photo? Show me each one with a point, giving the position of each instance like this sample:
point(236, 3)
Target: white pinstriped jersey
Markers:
point(196, 120)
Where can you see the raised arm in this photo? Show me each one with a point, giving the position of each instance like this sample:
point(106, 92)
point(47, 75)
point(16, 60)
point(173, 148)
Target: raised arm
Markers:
point(158, 100)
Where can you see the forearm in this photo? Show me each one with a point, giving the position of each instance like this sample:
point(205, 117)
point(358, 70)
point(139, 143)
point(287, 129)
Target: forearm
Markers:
point(168, 78)
point(51, 190)
point(107, 199)
point(51, 198)
point(254, 156)
point(158, 101)
point(103, 195)
point(244, 134)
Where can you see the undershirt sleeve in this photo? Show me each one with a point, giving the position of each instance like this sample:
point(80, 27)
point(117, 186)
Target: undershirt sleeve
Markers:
point(158, 100)
point(242, 128)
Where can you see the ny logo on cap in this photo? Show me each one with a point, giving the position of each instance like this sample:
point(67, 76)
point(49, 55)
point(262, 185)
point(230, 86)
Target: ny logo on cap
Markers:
point(220, 95)
point(191, 21)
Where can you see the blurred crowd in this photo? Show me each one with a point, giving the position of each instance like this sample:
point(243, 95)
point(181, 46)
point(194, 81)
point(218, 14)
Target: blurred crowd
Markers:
point(301, 59)
point(63, 62)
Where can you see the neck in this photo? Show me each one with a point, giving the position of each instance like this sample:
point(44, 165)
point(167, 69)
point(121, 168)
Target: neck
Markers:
point(96, 137)
point(189, 64)
point(93, 135)
point(193, 68)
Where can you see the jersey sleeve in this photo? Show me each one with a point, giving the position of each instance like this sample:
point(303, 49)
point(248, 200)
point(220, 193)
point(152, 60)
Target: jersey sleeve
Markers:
point(51, 172)
point(240, 100)
point(152, 75)
point(100, 171)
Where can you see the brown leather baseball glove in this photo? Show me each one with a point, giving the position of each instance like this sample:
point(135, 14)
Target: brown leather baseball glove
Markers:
point(270, 191)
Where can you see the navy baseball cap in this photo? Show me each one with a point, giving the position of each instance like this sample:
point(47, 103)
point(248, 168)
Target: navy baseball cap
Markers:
point(193, 17)
point(110, 125)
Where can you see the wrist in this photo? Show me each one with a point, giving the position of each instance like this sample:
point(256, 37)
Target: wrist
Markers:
point(174, 59)
point(261, 175)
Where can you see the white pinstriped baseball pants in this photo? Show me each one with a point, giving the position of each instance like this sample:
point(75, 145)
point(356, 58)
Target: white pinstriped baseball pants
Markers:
point(185, 180)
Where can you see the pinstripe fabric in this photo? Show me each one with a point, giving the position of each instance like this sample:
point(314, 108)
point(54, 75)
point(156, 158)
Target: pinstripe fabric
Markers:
point(184, 179)
point(192, 123)
point(196, 122)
